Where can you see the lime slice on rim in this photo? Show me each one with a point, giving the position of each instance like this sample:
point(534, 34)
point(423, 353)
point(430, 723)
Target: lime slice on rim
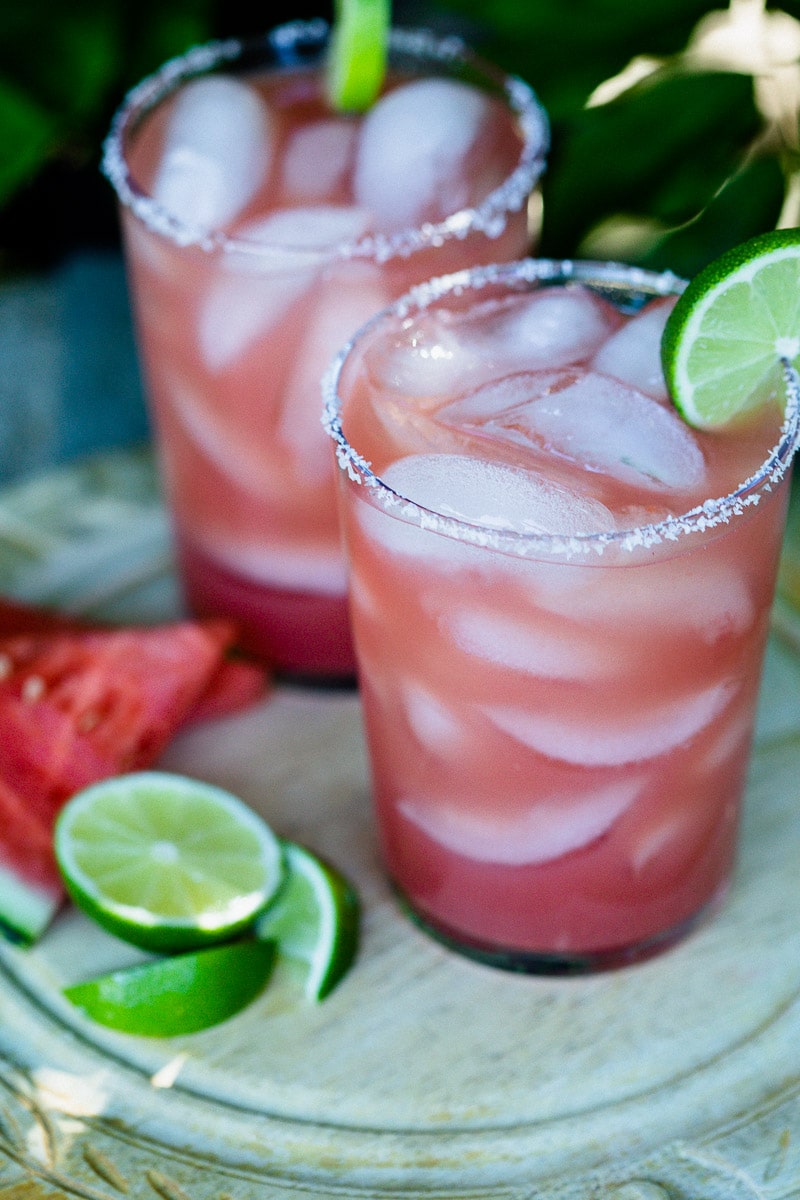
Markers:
point(357, 55)
point(177, 995)
point(314, 918)
point(166, 862)
point(725, 338)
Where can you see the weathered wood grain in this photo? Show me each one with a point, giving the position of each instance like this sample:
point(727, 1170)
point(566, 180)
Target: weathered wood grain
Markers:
point(425, 1075)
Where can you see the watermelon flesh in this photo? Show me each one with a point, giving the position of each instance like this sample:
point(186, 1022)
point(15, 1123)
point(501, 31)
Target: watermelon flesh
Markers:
point(79, 705)
point(30, 885)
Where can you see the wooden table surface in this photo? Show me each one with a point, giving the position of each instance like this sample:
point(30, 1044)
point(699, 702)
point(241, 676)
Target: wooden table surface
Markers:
point(423, 1074)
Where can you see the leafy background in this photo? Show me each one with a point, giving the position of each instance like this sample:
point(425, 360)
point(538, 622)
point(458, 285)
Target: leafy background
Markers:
point(675, 124)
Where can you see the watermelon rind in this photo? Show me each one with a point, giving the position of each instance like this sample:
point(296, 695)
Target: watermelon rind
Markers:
point(25, 908)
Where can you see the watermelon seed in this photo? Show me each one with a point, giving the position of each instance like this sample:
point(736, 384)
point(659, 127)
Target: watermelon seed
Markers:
point(33, 688)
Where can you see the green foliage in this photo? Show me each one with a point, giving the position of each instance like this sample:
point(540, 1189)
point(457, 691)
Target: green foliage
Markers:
point(565, 48)
point(663, 149)
point(670, 170)
point(26, 135)
point(64, 65)
point(749, 202)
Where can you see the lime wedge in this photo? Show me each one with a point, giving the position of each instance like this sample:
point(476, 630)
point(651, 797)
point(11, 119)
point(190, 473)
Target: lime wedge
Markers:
point(166, 862)
point(177, 995)
point(357, 55)
point(314, 918)
point(725, 338)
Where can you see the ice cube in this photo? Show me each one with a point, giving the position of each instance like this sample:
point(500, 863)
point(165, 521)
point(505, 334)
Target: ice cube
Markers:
point(318, 158)
point(432, 723)
point(653, 843)
point(607, 742)
point(422, 359)
point(633, 353)
point(540, 832)
point(221, 440)
point(256, 291)
point(495, 495)
point(548, 650)
point(238, 310)
point(732, 740)
point(493, 399)
point(399, 537)
point(612, 428)
point(418, 151)
point(353, 294)
point(543, 330)
point(307, 234)
point(218, 149)
point(475, 491)
point(299, 568)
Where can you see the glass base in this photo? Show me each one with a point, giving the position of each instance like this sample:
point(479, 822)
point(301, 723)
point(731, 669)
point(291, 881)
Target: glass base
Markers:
point(305, 637)
point(535, 962)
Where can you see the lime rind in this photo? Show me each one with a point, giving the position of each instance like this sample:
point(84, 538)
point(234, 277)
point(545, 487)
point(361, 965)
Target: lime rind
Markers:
point(357, 54)
point(183, 994)
point(728, 334)
point(163, 886)
point(313, 919)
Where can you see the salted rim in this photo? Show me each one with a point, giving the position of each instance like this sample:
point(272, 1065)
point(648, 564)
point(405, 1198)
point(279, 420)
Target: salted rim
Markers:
point(708, 515)
point(303, 36)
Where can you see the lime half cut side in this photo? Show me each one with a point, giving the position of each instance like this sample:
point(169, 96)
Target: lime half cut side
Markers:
point(314, 919)
point(737, 322)
point(357, 55)
point(181, 994)
point(167, 862)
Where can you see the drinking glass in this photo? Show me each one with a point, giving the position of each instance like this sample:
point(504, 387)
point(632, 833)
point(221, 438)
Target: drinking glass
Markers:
point(559, 663)
point(274, 237)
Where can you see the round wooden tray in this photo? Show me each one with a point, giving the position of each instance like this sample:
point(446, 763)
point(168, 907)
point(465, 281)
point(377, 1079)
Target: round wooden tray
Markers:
point(423, 1074)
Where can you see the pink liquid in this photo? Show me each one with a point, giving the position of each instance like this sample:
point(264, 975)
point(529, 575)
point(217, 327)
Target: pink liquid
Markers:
point(559, 746)
point(233, 356)
point(294, 630)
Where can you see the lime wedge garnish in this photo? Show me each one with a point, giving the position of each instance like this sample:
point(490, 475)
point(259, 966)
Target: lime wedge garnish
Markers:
point(357, 55)
point(166, 862)
point(726, 337)
point(177, 995)
point(314, 919)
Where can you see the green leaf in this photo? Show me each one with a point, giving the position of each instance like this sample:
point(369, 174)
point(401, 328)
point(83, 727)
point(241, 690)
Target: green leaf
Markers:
point(161, 31)
point(64, 67)
point(663, 149)
point(566, 49)
point(64, 55)
point(27, 133)
point(750, 202)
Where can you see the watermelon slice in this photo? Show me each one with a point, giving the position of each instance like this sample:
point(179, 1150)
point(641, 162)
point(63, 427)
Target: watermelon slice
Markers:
point(80, 705)
point(30, 885)
point(18, 617)
point(236, 684)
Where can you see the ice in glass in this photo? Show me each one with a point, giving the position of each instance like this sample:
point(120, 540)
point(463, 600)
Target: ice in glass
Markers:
point(560, 599)
point(261, 230)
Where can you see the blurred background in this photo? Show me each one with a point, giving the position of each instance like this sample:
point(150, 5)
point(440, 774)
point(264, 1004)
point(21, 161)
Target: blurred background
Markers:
point(675, 135)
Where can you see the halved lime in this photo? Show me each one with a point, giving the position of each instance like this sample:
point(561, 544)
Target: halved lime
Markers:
point(725, 338)
point(167, 862)
point(314, 918)
point(180, 994)
point(357, 55)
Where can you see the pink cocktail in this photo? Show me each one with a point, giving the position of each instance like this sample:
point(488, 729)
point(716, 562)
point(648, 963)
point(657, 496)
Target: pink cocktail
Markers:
point(261, 230)
point(560, 600)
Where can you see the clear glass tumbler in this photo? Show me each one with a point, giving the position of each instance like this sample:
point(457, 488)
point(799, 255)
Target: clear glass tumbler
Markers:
point(261, 230)
point(560, 601)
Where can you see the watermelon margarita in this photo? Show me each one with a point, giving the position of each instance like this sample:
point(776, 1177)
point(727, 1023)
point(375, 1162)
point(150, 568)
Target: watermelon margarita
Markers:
point(261, 230)
point(559, 627)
